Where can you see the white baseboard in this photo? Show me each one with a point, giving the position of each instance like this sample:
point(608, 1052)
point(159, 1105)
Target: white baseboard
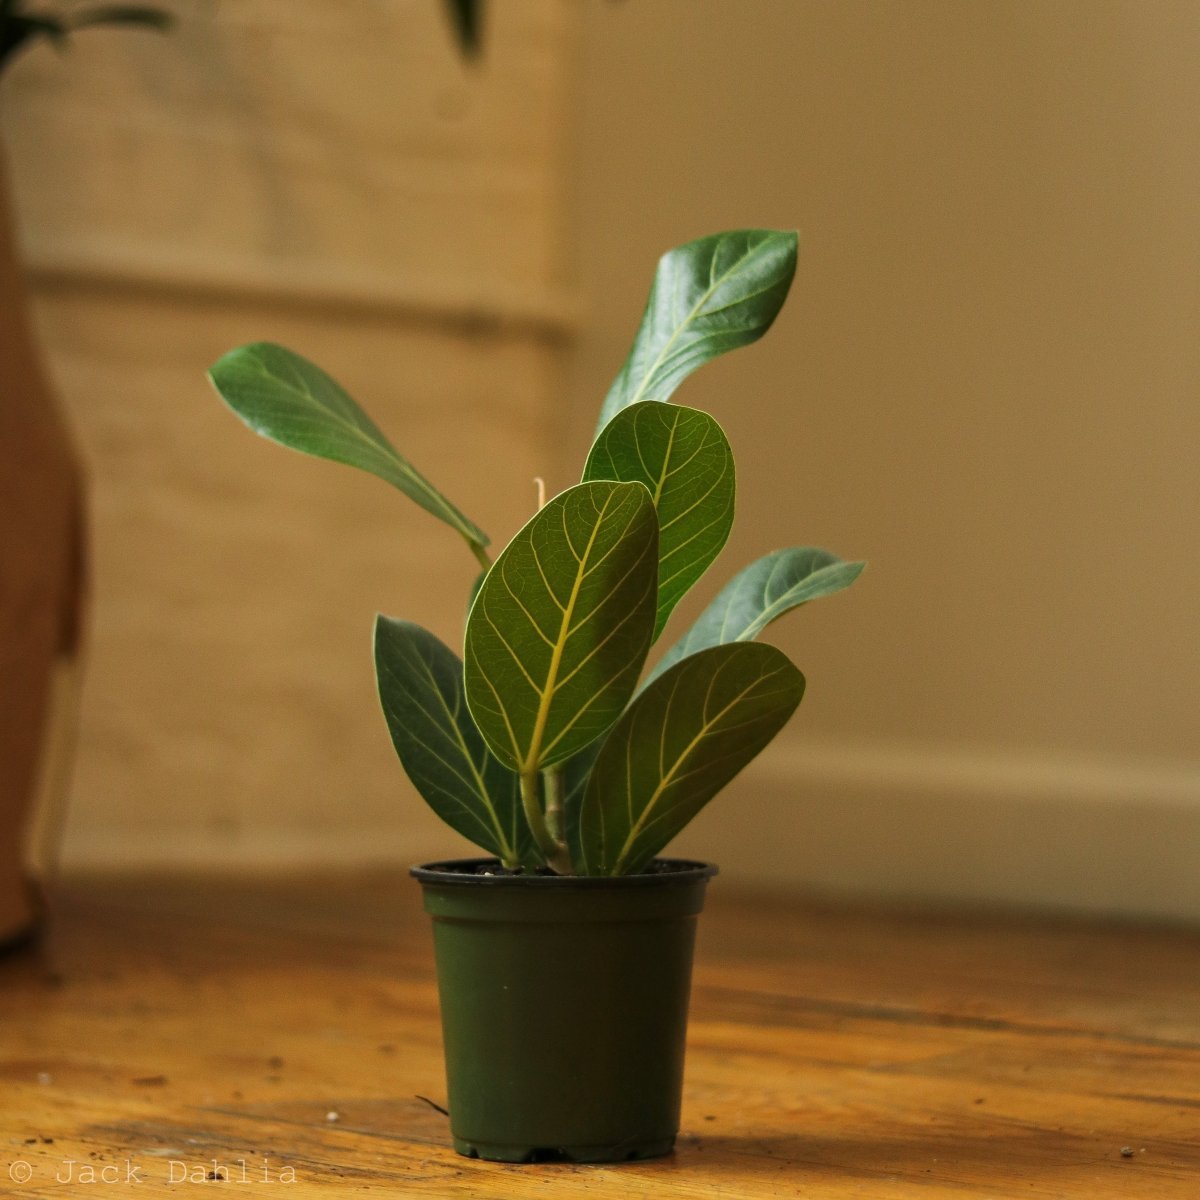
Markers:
point(921, 823)
point(943, 823)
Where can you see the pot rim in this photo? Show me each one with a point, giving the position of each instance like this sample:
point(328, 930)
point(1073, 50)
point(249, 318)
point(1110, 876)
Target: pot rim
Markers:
point(462, 872)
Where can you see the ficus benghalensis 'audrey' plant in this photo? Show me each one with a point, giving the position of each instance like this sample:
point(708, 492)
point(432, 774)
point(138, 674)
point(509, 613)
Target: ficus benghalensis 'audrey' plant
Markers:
point(545, 744)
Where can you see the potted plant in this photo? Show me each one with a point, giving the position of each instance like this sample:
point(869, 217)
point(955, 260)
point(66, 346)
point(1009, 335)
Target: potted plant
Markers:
point(564, 959)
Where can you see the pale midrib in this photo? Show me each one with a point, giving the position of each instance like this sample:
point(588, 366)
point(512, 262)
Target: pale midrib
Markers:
point(683, 325)
point(454, 738)
point(667, 778)
point(666, 463)
point(784, 602)
point(543, 713)
point(381, 446)
point(480, 786)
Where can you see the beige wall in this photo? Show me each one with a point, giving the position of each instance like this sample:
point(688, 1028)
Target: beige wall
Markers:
point(331, 177)
point(986, 383)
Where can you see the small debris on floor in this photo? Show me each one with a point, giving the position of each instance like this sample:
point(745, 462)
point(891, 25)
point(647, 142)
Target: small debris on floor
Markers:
point(332, 1116)
point(436, 1107)
point(1126, 1151)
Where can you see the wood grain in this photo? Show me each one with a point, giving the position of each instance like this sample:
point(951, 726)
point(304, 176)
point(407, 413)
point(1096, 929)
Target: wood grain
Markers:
point(174, 1028)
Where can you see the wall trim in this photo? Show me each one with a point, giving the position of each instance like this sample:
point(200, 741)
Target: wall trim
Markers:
point(871, 821)
point(985, 771)
point(987, 826)
point(547, 313)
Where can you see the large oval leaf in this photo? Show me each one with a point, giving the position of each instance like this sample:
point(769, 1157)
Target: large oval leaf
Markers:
point(421, 690)
point(684, 458)
point(682, 740)
point(559, 631)
point(708, 296)
point(286, 398)
point(754, 597)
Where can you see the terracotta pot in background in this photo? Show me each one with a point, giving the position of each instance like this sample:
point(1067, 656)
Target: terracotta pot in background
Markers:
point(41, 598)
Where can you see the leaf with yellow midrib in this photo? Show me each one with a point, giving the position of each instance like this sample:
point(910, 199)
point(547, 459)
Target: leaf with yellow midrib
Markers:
point(682, 740)
point(560, 628)
point(290, 400)
point(709, 296)
point(683, 457)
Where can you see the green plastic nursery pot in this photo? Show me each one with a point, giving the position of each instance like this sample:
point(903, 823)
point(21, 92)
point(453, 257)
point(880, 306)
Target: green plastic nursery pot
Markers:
point(564, 1007)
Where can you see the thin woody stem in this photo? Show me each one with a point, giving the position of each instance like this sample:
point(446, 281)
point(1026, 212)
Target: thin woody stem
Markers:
point(554, 852)
point(555, 811)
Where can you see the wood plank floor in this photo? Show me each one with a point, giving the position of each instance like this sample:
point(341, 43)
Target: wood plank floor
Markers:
point(172, 1030)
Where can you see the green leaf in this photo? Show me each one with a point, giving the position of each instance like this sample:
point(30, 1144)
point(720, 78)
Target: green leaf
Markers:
point(289, 400)
point(560, 629)
point(684, 458)
point(678, 744)
point(19, 31)
point(756, 596)
point(466, 16)
point(421, 691)
point(708, 296)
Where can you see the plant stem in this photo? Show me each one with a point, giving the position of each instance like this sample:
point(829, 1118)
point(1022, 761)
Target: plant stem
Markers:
point(532, 803)
point(556, 823)
point(554, 851)
point(481, 554)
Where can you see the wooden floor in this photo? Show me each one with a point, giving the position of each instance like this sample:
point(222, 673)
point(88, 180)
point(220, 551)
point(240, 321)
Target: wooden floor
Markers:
point(169, 1032)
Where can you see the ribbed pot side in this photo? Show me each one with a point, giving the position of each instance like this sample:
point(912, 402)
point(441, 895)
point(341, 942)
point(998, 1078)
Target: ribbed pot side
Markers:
point(564, 1009)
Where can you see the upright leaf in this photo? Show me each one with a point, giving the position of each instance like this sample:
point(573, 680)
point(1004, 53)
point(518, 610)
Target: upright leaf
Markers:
point(19, 29)
point(560, 628)
point(467, 18)
point(286, 398)
point(684, 458)
point(421, 691)
point(708, 296)
point(682, 740)
point(754, 597)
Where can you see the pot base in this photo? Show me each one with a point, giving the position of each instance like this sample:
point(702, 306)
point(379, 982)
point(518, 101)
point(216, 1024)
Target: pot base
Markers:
point(567, 1154)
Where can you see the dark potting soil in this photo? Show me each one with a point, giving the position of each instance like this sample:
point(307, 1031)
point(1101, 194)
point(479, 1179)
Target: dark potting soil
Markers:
point(493, 867)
